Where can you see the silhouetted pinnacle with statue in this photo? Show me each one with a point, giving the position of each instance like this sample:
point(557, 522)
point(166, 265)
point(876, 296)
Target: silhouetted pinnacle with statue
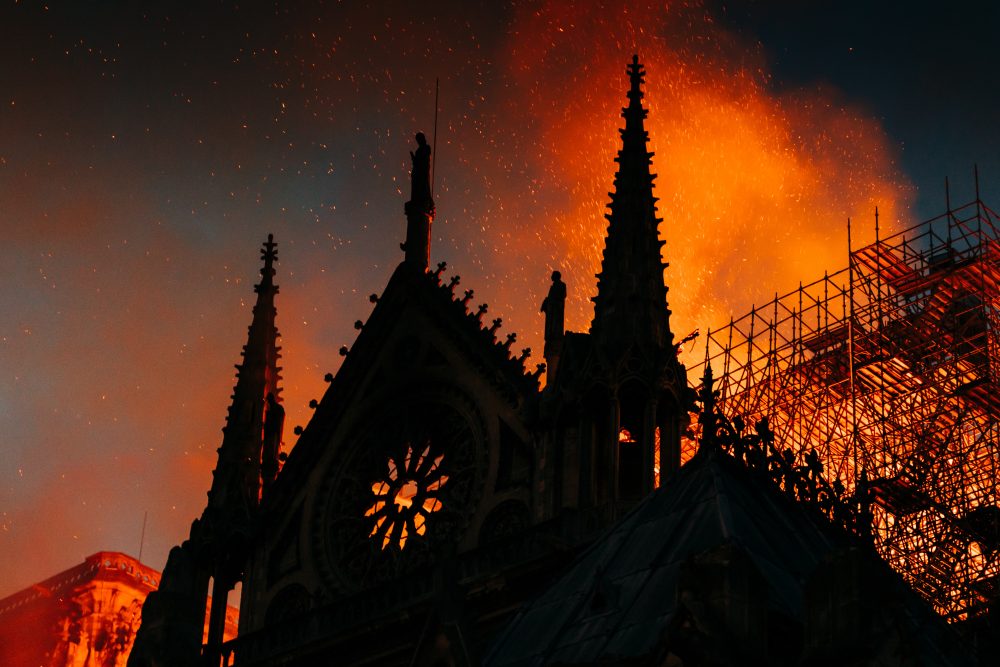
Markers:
point(420, 209)
point(554, 307)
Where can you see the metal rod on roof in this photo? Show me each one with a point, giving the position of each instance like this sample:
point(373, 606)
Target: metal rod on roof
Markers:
point(979, 203)
point(881, 332)
point(850, 352)
point(434, 141)
point(142, 538)
point(729, 350)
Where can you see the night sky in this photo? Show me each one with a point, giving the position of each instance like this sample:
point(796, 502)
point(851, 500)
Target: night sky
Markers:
point(147, 149)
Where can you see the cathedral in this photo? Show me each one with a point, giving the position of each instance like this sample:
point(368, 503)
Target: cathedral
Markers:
point(442, 508)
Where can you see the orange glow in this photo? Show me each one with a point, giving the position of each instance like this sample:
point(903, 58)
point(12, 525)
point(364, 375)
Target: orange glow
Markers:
point(625, 436)
point(86, 615)
point(755, 184)
point(886, 372)
point(656, 458)
point(406, 497)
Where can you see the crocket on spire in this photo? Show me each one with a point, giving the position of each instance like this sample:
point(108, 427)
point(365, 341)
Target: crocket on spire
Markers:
point(631, 301)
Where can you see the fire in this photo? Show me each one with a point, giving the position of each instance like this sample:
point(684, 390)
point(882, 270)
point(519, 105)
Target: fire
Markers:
point(656, 457)
point(885, 372)
point(404, 496)
point(755, 185)
point(625, 437)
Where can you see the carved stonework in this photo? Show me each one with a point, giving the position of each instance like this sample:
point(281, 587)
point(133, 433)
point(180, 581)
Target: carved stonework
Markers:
point(402, 487)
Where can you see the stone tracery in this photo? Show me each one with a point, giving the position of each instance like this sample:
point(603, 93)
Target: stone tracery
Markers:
point(406, 496)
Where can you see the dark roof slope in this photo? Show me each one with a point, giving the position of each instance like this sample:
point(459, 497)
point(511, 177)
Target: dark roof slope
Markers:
point(634, 570)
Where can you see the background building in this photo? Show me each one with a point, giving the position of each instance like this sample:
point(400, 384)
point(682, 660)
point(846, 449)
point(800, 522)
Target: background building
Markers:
point(86, 616)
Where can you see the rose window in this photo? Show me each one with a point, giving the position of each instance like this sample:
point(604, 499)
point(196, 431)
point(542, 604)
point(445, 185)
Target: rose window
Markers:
point(405, 463)
point(405, 496)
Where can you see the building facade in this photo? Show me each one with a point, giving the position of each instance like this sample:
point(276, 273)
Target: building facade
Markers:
point(438, 488)
point(86, 616)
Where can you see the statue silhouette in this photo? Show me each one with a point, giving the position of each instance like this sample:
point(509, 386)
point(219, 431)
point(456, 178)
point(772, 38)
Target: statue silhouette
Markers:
point(420, 176)
point(554, 307)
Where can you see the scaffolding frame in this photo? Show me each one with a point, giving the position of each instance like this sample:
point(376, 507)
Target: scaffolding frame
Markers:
point(888, 370)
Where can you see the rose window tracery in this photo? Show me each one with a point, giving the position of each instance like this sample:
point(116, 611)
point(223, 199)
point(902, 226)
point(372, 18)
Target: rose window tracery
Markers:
point(402, 487)
point(406, 496)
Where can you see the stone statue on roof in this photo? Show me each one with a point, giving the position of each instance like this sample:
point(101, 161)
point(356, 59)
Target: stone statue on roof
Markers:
point(554, 307)
point(420, 176)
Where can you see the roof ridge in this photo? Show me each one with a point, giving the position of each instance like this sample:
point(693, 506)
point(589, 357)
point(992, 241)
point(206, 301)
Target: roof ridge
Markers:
point(513, 365)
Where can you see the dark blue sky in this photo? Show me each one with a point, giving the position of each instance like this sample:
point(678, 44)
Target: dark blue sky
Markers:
point(927, 70)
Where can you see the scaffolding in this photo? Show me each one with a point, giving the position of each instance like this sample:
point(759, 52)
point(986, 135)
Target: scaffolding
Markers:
point(888, 370)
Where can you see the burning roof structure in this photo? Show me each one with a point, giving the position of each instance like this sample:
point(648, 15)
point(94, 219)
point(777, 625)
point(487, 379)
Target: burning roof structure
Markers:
point(887, 370)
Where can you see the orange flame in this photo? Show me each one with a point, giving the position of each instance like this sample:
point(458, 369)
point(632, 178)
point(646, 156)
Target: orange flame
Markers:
point(755, 184)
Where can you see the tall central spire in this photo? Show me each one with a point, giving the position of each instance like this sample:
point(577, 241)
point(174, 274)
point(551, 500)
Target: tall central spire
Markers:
point(631, 301)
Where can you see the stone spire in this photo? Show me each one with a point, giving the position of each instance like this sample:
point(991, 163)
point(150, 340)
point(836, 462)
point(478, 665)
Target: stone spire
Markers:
point(237, 477)
point(173, 617)
point(250, 443)
point(631, 301)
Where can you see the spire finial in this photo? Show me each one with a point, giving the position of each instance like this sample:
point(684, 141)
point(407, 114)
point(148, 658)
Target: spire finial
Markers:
point(636, 74)
point(268, 253)
point(631, 301)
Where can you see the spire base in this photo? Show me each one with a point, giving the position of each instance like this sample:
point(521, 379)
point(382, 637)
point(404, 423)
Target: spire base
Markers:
point(417, 248)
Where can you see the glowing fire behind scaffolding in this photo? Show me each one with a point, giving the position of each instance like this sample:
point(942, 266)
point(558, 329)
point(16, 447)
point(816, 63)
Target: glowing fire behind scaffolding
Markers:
point(886, 370)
